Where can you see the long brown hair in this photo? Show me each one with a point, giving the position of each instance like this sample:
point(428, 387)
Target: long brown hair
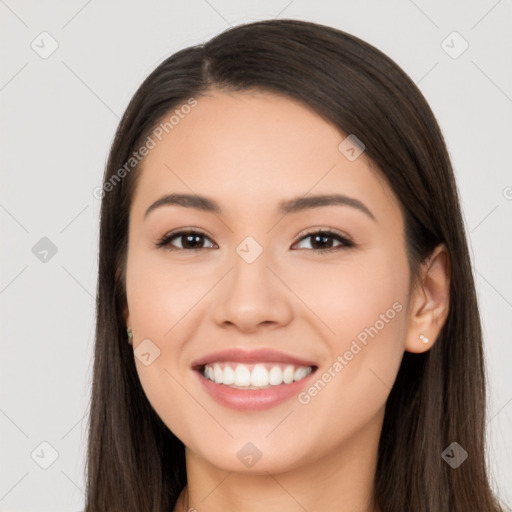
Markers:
point(134, 462)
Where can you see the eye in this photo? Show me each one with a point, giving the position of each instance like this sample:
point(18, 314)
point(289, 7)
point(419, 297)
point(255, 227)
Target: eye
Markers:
point(191, 240)
point(322, 241)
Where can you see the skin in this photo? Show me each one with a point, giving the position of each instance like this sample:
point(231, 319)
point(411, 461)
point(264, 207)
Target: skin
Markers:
point(248, 151)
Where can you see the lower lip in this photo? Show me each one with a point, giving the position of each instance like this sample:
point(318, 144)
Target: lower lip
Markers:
point(252, 399)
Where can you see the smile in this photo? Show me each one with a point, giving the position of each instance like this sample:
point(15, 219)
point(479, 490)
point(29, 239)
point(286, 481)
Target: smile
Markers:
point(254, 376)
point(252, 380)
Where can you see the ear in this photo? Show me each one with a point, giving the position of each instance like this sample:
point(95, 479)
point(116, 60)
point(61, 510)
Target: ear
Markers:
point(126, 316)
point(430, 301)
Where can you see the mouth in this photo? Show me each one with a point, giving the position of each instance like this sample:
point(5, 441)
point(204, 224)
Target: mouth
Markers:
point(253, 380)
point(254, 376)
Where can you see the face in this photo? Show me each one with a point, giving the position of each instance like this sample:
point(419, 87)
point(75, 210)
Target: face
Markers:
point(249, 289)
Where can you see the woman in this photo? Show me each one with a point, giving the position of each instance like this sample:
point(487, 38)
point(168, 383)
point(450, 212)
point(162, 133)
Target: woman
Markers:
point(286, 315)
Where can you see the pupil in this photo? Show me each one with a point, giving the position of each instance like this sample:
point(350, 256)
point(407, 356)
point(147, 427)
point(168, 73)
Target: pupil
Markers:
point(322, 237)
point(188, 238)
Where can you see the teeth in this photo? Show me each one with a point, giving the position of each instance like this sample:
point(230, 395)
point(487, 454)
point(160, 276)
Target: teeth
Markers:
point(300, 373)
point(256, 376)
point(259, 376)
point(275, 376)
point(218, 374)
point(242, 376)
point(229, 376)
point(288, 374)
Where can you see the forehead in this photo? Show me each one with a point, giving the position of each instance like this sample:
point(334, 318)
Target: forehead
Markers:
point(250, 149)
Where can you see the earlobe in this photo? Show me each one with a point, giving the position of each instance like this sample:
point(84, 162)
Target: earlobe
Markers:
point(129, 332)
point(430, 302)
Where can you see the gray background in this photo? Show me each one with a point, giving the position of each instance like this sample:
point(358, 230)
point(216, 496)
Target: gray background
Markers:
point(59, 114)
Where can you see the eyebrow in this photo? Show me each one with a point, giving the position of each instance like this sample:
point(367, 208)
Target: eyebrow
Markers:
point(286, 206)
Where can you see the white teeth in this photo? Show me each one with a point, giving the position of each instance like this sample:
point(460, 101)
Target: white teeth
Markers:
point(229, 376)
point(259, 376)
point(254, 376)
point(242, 376)
point(275, 376)
point(218, 374)
point(288, 374)
point(300, 373)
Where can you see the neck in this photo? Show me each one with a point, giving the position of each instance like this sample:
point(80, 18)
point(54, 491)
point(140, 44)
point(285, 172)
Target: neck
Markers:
point(341, 480)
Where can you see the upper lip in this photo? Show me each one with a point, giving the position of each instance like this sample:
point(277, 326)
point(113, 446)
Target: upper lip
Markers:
point(251, 356)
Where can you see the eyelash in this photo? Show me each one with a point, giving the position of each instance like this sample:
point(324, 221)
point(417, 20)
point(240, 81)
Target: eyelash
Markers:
point(346, 243)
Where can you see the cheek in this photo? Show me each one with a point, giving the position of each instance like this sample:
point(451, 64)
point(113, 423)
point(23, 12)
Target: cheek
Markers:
point(366, 311)
point(344, 297)
point(161, 292)
point(360, 308)
point(161, 299)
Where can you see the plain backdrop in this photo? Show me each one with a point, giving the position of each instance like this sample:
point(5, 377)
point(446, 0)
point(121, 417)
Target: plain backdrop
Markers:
point(68, 70)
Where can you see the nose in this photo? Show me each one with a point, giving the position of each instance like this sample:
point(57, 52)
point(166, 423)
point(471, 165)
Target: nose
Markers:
point(252, 296)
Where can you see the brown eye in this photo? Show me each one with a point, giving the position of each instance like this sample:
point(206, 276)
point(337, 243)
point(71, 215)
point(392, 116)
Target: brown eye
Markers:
point(190, 240)
point(322, 241)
